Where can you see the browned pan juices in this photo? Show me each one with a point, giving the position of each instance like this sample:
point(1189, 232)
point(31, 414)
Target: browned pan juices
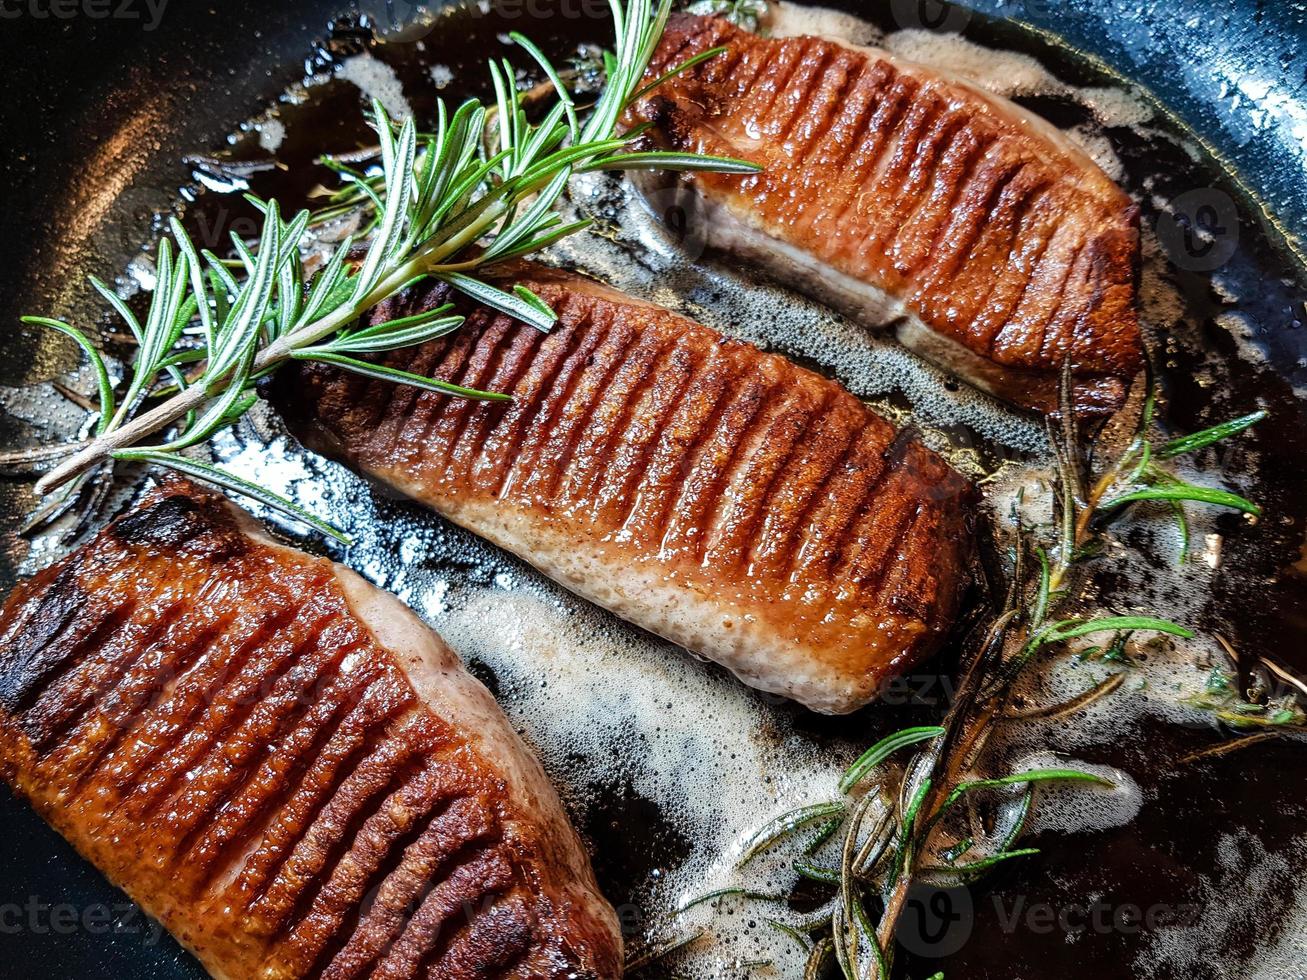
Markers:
point(665, 763)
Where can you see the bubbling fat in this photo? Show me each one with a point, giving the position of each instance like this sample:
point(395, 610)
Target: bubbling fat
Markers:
point(604, 707)
point(376, 80)
point(608, 706)
point(1247, 881)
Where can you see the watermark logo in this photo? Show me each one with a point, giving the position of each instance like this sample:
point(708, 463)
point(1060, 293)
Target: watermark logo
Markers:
point(680, 214)
point(936, 921)
point(930, 15)
point(1200, 231)
point(213, 230)
point(37, 917)
point(921, 690)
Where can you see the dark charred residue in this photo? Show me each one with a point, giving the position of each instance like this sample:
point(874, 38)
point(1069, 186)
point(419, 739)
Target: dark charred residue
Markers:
point(177, 522)
point(26, 662)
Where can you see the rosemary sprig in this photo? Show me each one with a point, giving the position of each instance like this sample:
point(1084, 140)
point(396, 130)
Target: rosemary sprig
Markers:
point(447, 207)
point(1132, 476)
point(882, 750)
point(898, 823)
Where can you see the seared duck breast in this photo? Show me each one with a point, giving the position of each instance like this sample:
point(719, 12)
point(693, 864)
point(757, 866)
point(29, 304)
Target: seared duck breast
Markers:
point(283, 764)
point(900, 195)
point(737, 504)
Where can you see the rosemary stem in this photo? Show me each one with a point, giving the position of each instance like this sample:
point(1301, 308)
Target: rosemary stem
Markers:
point(968, 725)
point(1082, 529)
point(436, 202)
point(101, 447)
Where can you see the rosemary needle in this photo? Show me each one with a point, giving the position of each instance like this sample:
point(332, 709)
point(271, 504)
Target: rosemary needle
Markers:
point(446, 208)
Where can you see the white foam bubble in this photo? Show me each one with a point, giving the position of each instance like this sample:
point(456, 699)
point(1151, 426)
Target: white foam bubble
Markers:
point(1005, 73)
point(272, 133)
point(789, 19)
point(376, 80)
point(1098, 148)
point(1077, 807)
point(441, 75)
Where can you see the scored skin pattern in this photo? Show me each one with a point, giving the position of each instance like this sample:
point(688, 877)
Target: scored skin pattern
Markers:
point(206, 720)
point(655, 445)
point(926, 188)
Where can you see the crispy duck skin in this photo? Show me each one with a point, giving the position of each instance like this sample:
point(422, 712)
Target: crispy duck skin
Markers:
point(1003, 248)
point(726, 499)
point(283, 764)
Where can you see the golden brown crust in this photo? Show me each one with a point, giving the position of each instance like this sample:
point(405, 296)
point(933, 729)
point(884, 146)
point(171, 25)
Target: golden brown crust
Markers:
point(206, 719)
point(649, 444)
point(1021, 251)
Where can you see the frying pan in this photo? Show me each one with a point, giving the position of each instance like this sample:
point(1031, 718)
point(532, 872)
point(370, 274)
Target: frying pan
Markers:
point(103, 100)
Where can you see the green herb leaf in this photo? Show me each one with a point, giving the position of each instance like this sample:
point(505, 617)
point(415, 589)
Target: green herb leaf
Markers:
point(1029, 776)
point(1040, 610)
point(984, 864)
point(515, 306)
point(1199, 440)
point(903, 848)
point(804, 943)
point(1068, 629)
point(817, 872)
point(728, 893)
point(662, 160)
point(402, 332)
point(93, 356)
point(784, 825)
point(1185, 491)
point(383, 373)
point(882, 750)
point(233, 483)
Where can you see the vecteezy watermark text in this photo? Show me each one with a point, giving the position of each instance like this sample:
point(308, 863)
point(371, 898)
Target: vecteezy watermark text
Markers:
point(37, 917)
point(1099, 917)
point(410, 19)
point(148, 12)
point(939, 921)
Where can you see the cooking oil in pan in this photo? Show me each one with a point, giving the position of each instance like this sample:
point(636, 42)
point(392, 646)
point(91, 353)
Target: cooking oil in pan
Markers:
point(665, 762)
